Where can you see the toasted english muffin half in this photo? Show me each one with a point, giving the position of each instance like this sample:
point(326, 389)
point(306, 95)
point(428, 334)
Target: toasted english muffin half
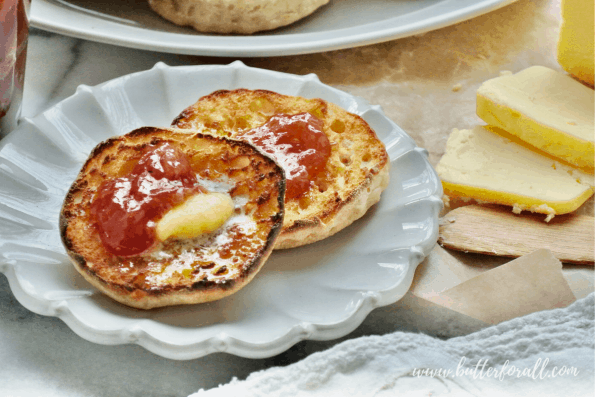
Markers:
point(233, 16)
point(355, 174)
point(179, 270)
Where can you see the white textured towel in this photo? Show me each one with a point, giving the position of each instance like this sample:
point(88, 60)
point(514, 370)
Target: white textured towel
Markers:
point(549, 353)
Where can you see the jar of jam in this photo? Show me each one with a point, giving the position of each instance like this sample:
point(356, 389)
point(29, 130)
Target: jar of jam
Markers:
point(14, 30)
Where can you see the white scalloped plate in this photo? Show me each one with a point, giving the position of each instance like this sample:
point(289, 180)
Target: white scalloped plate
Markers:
point(320, 291)
point(339, 24)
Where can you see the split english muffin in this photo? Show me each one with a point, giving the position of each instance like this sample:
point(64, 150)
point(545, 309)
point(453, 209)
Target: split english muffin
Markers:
point(160, 217)
point(232, 16)
point(343, 187)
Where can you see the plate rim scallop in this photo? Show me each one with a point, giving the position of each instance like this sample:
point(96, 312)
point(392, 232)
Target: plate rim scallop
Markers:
point(222, 342)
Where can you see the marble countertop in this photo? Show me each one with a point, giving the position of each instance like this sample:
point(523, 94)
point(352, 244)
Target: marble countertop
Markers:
point(42, 356)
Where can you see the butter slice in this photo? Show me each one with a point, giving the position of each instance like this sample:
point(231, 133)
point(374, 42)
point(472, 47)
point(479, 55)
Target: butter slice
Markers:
point(489, 165)
point(547, 109)
point(199, 214)
point(575, 45)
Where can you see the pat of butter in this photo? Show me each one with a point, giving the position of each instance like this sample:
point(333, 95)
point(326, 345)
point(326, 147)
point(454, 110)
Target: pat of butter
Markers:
point(545, 108)
point(575, 45)
point(489, 165)
point(199, 214)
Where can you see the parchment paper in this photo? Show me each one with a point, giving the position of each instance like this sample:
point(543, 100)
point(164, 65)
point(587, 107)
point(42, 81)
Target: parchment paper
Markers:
point(528, 284)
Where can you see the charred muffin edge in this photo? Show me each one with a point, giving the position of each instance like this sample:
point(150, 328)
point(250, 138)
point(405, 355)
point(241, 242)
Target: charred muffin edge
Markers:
point(195, 293)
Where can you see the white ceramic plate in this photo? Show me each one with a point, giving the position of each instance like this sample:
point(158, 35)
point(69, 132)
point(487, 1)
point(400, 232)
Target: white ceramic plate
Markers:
point(340, 24)
point(320, 291)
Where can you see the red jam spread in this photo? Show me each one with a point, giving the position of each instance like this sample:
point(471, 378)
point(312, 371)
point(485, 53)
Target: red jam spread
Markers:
point(125, 209)
point(298, 144)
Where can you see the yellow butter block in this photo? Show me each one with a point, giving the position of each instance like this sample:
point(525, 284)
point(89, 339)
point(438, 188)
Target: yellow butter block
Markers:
point(489, 165)
point(575, 45)
point(200, 214)
point(547, 109)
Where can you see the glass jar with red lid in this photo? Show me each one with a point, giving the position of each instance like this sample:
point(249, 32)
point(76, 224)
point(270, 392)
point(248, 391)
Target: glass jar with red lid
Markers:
point(14, 31)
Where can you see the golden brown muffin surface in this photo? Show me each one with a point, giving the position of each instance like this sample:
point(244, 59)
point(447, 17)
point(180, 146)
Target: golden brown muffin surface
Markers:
point(355, 175)
point(179, 271)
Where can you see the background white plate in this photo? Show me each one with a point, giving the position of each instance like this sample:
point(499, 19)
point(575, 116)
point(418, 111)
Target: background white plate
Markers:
point(340, 24)
point(320, 291)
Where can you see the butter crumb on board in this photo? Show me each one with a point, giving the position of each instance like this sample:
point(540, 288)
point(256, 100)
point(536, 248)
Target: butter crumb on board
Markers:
point(490, 165)
point(545, 108)
point(575, 44)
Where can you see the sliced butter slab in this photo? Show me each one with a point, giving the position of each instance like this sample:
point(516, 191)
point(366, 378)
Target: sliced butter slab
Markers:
point(547, 109)
point(489, 165)
point(575, 45)
point(199, 214)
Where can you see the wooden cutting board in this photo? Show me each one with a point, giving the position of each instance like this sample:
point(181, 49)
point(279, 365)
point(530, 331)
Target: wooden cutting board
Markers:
point(495, 230)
